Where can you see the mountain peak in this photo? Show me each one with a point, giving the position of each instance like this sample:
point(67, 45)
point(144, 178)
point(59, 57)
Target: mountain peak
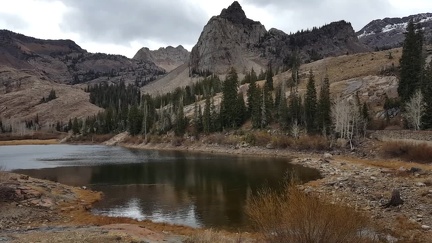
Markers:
point(234, 13)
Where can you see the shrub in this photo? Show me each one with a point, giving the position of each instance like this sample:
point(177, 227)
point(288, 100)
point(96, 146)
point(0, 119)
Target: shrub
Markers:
point(282, 142)
point(312, 143)
point(293, 216)
point(262, 138)
point(414, 152)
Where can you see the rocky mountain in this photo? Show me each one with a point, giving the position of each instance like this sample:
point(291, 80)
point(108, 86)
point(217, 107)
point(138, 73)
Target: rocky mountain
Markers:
point(63, 61)
point(168, 58)
point(228, 40)
point(231, 39)
point(389, 32)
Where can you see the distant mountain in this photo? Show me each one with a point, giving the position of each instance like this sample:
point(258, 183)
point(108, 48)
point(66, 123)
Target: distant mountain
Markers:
point(231, 39)
point(168, 58)
point(63, 61)
point(389, 32)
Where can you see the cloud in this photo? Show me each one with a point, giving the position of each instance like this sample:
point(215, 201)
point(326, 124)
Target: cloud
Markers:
point(122, 22)
point(8, 20)
point(293, 15)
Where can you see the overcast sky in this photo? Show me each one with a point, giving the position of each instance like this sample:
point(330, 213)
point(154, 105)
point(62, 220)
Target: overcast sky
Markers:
point(123, 27)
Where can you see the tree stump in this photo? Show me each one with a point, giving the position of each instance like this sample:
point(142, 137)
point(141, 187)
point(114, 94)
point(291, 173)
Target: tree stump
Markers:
point(395, 200)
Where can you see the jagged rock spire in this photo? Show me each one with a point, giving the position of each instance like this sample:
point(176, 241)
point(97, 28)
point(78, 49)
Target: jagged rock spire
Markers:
point(235, 13)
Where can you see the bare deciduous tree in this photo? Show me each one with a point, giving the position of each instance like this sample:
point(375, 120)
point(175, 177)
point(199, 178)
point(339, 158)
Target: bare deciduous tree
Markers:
point(346, 118)
point(415, 109)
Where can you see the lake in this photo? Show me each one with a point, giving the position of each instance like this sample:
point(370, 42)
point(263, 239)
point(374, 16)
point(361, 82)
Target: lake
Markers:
point(193, 189)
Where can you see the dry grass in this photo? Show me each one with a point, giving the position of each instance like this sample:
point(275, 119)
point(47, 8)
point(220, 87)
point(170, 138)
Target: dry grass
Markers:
point(294, 216)
point(411, 152)
point(33, 136)
point(91, 138)
point(211, 236)
point(29, 142)
point(134, 140)
point(312, 143)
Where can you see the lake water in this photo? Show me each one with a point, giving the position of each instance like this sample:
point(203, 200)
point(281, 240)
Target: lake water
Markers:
point(193, 189)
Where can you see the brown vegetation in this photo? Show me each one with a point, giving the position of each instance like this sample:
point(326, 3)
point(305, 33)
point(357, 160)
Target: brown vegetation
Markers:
point(412, 152)
point(293, 216)
point(33, 136)
point(91, 138)
point(210, 236)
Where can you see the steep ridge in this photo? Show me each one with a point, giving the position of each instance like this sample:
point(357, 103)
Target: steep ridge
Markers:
point(389, 32)
point(63, 61)
point(168, 58)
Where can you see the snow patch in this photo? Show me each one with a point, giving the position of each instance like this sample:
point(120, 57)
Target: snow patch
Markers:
point(426, 20)
point(365, 34)
point(391, 27)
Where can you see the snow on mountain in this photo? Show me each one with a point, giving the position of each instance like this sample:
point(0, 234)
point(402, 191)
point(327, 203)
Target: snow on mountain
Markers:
point(389, 32)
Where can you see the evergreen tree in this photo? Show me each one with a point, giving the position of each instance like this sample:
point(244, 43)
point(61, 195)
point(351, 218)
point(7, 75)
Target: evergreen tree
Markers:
point(427, 92)
point(324, 107)
point(254, 103)
point(269, 78)
point(75, 126)
point(283, 113)
point(134, 120)
point(310, 105)
point(229, 97)
point(181, 120)
point(295, 108)
point(411, 62)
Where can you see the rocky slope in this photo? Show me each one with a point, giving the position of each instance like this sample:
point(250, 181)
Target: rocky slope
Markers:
point(389, 32)
point(228, 40)
point(63, 61)
point(168, 58)
point(231, 39)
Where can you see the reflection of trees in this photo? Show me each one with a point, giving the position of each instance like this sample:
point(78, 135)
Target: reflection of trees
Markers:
point(218, 186)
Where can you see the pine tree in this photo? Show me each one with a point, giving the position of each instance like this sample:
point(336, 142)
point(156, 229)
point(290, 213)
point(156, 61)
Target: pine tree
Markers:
point(75, 126)
point(310, 105)
point(181, 120)
point(283, 109)
point(427, 92)
point(229, 97)
point(254, 103)
point(324, 107)
point(134, 120)
point(411, 62)
point(269, 78)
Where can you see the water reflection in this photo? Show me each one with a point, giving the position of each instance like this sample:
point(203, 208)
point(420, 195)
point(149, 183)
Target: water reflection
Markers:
point(190, 189)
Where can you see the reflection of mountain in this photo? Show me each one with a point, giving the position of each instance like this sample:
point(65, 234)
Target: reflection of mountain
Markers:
point(170, 184)
point(217, 187)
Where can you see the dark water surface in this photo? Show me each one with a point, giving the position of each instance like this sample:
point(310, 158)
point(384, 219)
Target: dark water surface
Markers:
point(194, 189)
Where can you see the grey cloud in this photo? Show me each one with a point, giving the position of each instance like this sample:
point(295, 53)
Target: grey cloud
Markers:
point(120, 22)
point(13, 21)
point(307, 14)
